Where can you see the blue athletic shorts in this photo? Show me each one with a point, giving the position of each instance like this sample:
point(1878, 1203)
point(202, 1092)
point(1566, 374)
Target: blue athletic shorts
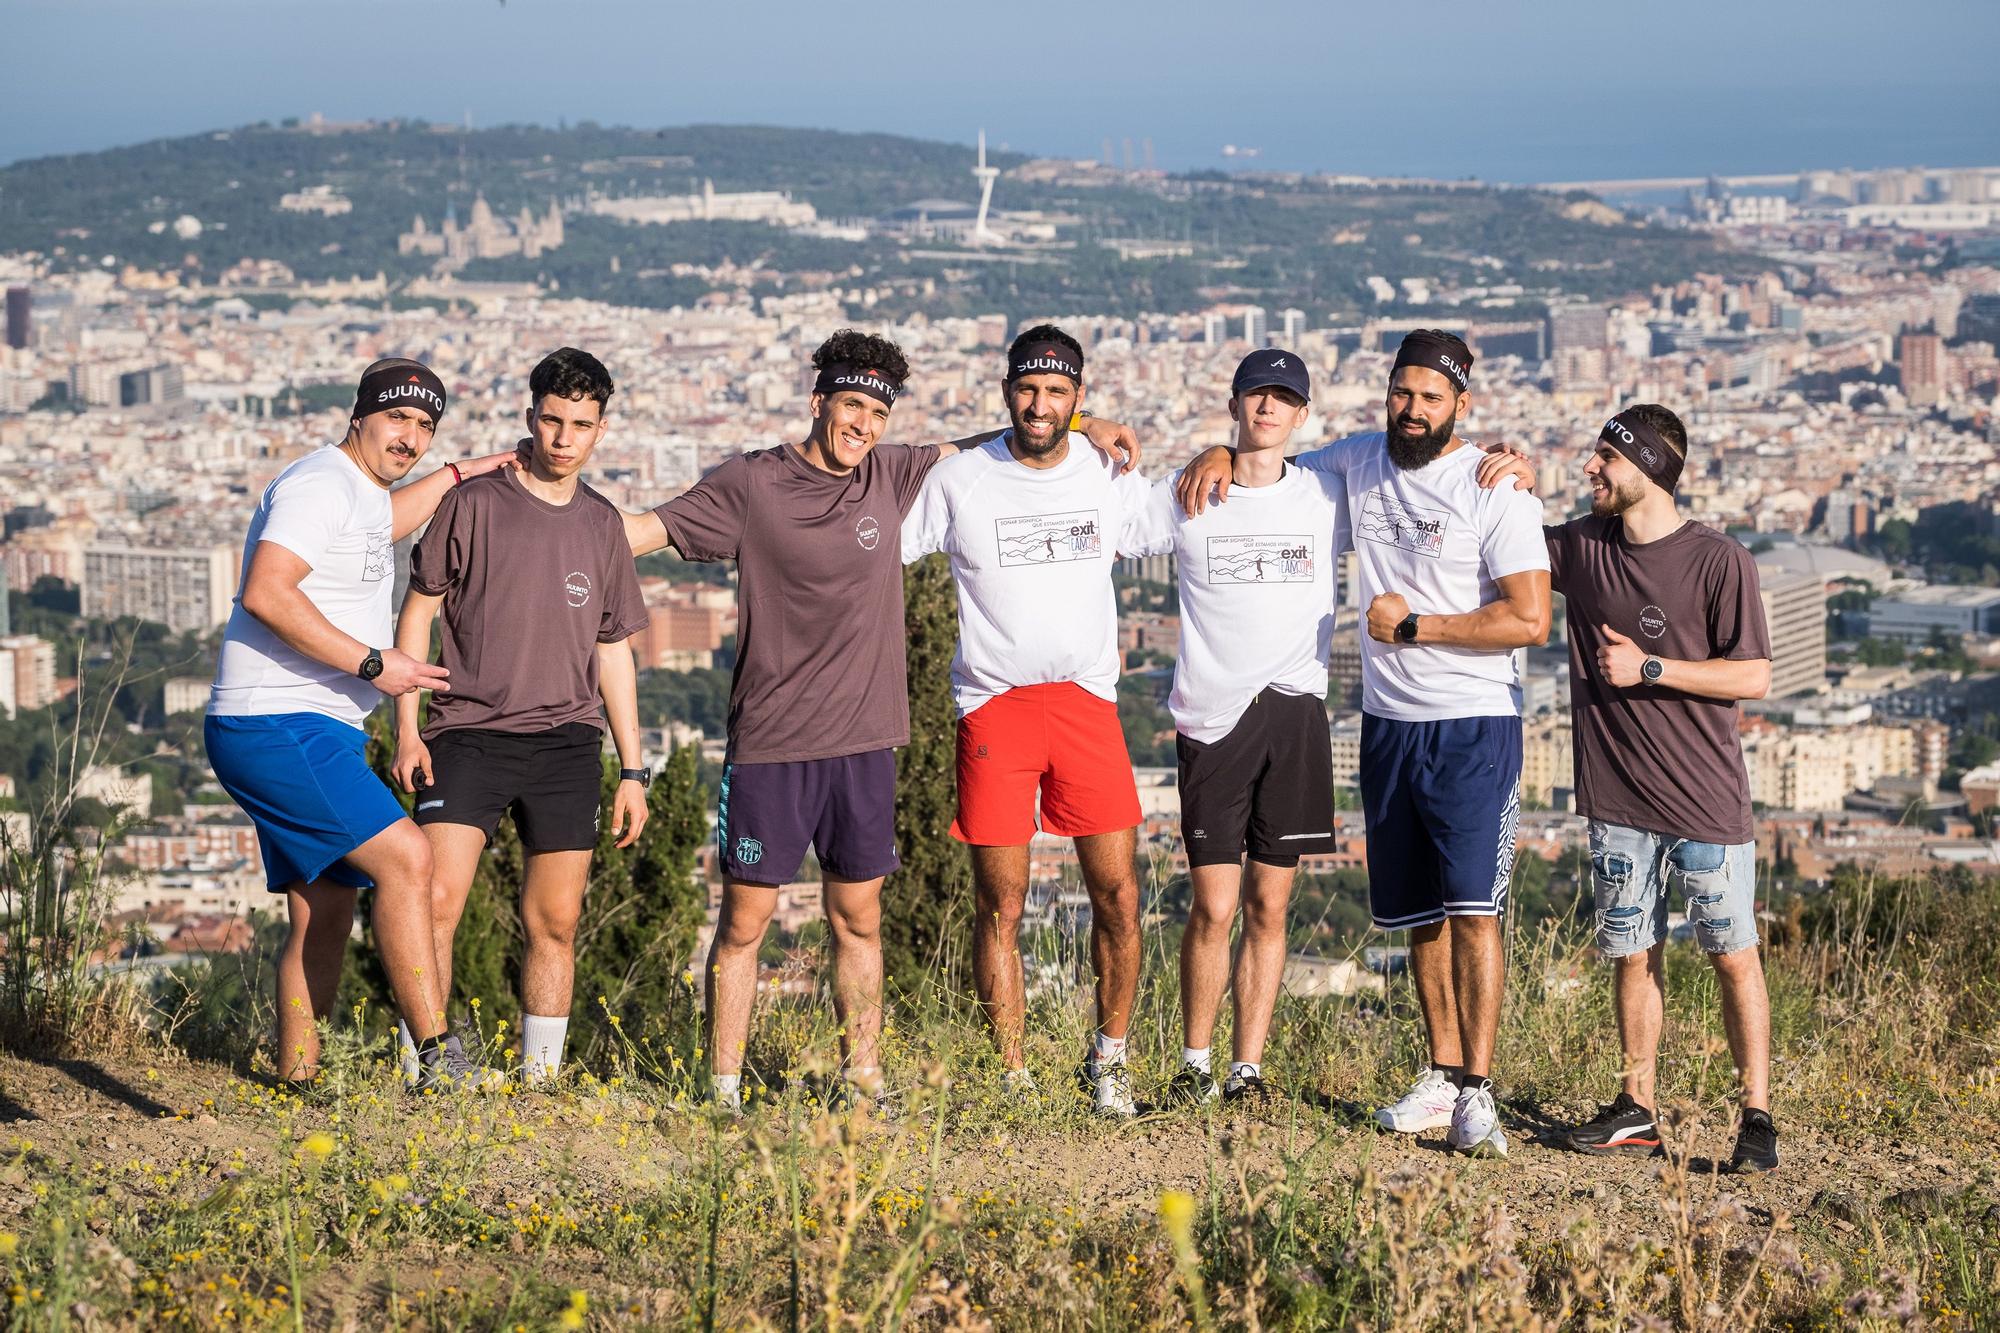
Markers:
point(843, 808)
point(304, 780)
point(1442, 800)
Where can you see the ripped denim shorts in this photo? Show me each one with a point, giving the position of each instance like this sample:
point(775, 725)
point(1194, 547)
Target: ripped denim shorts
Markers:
point(1632, 871)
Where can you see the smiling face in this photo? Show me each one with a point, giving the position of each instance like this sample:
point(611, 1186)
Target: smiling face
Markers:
point(1266, 417)
point(564, 431)
point(1040, 406)
point(846, 426)
point(1423, 408)
point(388, 444)
point(1616, 483)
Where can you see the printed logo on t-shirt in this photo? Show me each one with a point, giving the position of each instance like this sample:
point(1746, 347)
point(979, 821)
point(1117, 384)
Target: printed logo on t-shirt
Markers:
point(749, 851)
point(1652, 622)
point(380, 561)
point(1266, 558)
point(576, 588)
point(867, 531)
point(1042, 539)
point(1387, 521)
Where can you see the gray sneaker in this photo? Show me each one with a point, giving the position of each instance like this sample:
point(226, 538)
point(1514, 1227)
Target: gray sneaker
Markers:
point(446, 1069)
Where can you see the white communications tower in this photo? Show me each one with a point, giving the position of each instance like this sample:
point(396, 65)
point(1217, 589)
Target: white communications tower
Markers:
point(985, 175)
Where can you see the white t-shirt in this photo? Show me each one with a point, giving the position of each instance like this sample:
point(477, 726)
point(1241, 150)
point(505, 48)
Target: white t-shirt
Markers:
point(1256, 584)
point(1437, 538)
point(1031, 550)
point(327, 512)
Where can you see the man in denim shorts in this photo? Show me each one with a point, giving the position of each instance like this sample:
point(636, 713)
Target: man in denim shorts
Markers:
point(1666, 635)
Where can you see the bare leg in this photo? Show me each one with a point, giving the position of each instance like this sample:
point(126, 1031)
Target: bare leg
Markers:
point(1478, 980)
point(398, 859)
point(1113, 884)
point(551, 903)
point(322, 916)
point(1746, 1015)
point(732, 970)
point(1205, 951)
point(1431, 970)
point(1260, 958)
point(1000, 892)
point(854, 918)
point(1641, 997)
point(455, 852)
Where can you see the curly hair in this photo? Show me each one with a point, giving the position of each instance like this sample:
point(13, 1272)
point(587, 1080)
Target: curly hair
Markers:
point(1664, 423)
point(570, 372)
point(852, 347)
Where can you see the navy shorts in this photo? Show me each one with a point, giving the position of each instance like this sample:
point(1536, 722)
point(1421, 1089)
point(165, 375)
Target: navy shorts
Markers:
point(304, 780)
point(843, 808)
point(1442, 800)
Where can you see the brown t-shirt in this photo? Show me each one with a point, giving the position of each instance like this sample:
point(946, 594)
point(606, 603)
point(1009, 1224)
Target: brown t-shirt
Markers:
point(530, 589)
point(1649, 757)
point(819, 631)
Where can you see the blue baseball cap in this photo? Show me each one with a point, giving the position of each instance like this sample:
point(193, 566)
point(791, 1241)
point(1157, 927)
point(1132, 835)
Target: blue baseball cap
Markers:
point(1272, 366)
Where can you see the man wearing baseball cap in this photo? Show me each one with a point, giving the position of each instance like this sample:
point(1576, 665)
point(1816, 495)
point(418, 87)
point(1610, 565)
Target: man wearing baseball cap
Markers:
point(1666, 636)
point(308, 653)
point(1256, 764)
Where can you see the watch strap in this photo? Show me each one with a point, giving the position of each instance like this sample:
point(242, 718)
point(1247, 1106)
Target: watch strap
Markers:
point(642, 776)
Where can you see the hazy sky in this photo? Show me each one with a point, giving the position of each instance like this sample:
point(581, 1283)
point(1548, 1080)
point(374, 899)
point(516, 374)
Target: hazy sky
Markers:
point(1531, 90)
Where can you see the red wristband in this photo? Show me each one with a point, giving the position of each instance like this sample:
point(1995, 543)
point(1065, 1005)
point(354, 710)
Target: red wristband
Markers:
point(456, 479)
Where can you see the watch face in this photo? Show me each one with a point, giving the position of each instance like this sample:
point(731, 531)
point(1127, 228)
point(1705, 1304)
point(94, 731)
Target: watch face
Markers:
point(1652, 669)
point(371, 666)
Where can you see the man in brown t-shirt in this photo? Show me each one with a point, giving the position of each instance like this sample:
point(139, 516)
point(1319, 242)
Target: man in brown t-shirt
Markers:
point(819, 701)
point(1666, 635)
point(540, 600)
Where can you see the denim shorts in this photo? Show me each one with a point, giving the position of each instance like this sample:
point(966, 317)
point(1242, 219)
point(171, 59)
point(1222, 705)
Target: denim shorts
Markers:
point(1631, 870)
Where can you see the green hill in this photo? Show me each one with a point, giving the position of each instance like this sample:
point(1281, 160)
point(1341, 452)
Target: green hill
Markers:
point(1280, 241)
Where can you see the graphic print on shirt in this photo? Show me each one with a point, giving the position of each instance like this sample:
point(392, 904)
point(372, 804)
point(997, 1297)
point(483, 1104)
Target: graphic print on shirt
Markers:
point(1263, 558)
point(1652, 622)
point(576, 588)
point(380, 560)
point(1043, 539)
point(1388, 521)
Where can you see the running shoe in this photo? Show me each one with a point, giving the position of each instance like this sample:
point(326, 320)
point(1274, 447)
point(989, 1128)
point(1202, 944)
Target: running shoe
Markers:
point(1624, 1126)
point(1019, 1086)
point(1427, 1105)
point(1113, 1092)
point(1756, 1144)
point(445, 1069)
point(1191, 1087)
point(1250, 1089)
point(1475, 1123)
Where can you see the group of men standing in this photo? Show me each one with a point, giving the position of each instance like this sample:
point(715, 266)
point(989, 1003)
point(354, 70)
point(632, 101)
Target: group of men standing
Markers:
point(533, 574)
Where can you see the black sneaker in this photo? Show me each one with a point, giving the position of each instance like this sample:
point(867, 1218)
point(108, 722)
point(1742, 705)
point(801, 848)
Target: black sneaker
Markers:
point(1756, 1144)
point(1191, 1087)
point(1250, 1089)
point(1624, 1126)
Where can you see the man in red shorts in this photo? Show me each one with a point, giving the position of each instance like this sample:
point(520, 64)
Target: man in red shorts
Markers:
point(1031, 525)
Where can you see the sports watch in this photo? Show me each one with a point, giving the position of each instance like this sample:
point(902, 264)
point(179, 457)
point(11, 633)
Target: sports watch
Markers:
point(642, 776)
point(1652, 669)
point(371, 665)
point(1406, 629)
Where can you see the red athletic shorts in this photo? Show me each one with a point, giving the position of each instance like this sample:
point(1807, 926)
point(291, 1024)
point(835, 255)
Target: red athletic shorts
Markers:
point(1060, 738)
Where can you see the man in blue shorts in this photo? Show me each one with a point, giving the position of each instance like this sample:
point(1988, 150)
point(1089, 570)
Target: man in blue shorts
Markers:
point(305, 658)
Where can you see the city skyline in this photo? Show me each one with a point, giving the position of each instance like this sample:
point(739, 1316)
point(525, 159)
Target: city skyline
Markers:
point(1493, 97)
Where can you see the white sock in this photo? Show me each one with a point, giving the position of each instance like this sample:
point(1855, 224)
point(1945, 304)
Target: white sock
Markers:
point(1196, 1058)
point(542, 1041)
point(406, 1051)
point(727, 1090)
point(1107, 1050)
point(1246, 1069)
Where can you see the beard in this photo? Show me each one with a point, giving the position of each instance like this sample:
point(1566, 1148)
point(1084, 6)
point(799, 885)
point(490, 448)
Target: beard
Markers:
point(1025, 443)
point(1617, 499)
point(1410, 452)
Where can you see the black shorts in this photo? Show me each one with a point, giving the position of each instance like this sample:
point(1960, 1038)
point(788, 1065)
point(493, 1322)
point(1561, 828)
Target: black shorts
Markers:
point(551, 781)
point(1267, 785)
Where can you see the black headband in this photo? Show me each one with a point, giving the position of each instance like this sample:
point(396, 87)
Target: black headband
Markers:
point(405, 384)
point(1047, 358)
point(1645, 447)
point(1446, 356)
point(857, 379)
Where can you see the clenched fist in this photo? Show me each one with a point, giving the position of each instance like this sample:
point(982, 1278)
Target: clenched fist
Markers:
point(1619, 659)
point(1385, 613)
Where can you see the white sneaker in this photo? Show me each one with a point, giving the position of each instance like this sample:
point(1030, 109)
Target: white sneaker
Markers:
point(1114, 1091)
point(1018, 1085)
point(1475, 1124)
point(1427, 1105)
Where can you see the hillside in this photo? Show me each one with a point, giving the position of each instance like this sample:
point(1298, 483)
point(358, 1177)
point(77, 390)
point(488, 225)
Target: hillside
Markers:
point(1281, 241)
